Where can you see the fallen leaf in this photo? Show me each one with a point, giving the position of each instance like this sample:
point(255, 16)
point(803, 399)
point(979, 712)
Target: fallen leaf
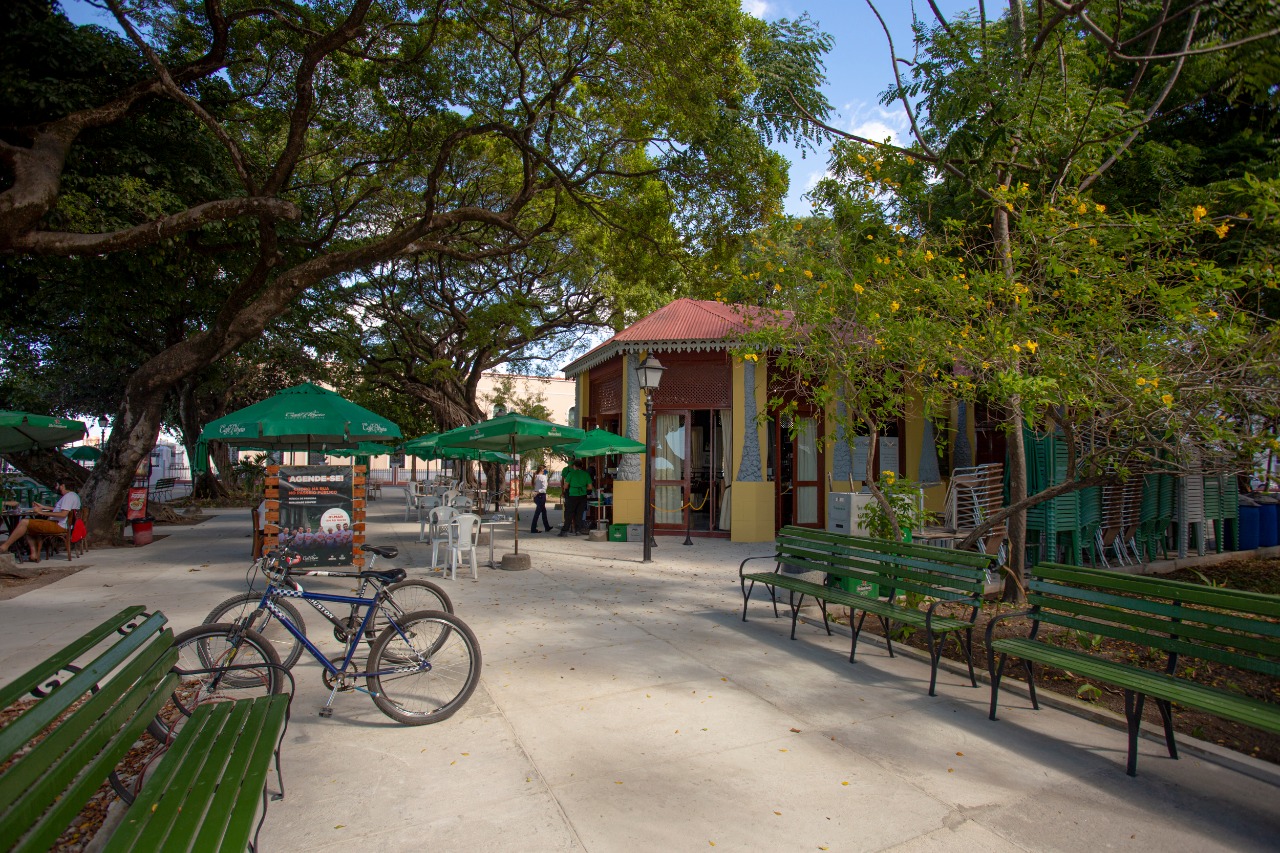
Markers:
point(778, 813)
point(467, 754)
point(796, 731)
point(951, 770)
point(782, 750)
point(844, 783)
point(341, 826)
point(959, 753)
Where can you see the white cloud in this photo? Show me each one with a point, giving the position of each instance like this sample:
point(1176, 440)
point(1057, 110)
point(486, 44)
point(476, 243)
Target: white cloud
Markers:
point(756, 8)
point(877, 123)
point(812, 179)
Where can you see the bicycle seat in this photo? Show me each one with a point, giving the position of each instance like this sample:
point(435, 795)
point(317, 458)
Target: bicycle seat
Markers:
point(389, 552)
point(388, 577)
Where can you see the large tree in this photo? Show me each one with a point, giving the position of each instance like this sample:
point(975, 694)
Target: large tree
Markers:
point(351, 135)
point(1006, 253)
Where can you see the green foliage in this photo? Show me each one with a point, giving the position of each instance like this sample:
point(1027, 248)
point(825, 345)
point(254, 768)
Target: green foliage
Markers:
point(908, 509)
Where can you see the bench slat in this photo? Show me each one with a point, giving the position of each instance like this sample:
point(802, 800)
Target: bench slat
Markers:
point(82, 729)
point(18, 733)
point(51, 666)
point(1169, 633)
point(36, 827)
point(947, 555)
point(259, 740)
point(878, 607)
point(1243, 709)
point(1170, 610)
point(1257, 603)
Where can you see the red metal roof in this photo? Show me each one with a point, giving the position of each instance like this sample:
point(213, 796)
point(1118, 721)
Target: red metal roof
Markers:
point(682, 325)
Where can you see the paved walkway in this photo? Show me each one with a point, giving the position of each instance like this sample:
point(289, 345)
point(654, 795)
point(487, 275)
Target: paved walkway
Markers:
point(627, 707)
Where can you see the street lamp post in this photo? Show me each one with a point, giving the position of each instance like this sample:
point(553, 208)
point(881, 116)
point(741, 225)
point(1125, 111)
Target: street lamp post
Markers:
point(648, 374)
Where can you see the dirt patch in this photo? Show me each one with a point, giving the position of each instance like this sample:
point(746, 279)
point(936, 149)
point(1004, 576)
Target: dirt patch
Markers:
point(57, 570)
point(1255, 575)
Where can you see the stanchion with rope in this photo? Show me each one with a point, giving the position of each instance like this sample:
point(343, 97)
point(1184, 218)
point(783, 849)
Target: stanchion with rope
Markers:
point(688, 518)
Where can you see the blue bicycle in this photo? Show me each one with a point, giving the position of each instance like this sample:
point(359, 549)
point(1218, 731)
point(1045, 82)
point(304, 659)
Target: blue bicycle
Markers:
point(422, 667)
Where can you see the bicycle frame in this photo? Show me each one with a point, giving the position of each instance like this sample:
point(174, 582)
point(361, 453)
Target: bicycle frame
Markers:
point(353, 642)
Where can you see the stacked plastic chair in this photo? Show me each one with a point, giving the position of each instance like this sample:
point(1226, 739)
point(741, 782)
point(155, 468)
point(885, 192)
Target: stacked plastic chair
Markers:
point(1047, 466)
point(1190, 513)
point(1091, 524)
point(1111, 532)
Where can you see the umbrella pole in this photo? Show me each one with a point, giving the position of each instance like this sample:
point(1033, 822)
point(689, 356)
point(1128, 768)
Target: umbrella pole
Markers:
point(515, 511)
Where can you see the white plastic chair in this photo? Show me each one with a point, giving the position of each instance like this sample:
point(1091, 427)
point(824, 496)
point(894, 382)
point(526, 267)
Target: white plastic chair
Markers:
point(438, 529)
point(464, 534)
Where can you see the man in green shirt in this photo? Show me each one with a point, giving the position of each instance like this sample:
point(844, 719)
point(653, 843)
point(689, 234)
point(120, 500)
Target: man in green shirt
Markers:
point(576, 482)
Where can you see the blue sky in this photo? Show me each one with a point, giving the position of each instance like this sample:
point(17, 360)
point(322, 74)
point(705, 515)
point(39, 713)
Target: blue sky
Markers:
point(858, 70)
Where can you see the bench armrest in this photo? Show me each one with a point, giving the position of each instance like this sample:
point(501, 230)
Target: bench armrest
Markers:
point(1003, 616)
point(974, 602)
point(773, 557)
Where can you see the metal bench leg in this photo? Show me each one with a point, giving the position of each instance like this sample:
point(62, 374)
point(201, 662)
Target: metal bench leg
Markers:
point(746, 596)
point(888, 634)
point(857, 629)
point(935, 652)
point(822, 604)
point(1031, 683)
point(967, 645)
point(1166, 715)
point(996, 671)
point(1133, 703)
point(795, 611)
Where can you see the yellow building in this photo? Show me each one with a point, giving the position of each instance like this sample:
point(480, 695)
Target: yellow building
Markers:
point(723, 464)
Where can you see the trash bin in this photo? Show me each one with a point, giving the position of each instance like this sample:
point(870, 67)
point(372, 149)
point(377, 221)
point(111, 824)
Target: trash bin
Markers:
point(142, 531)
point(1268, 525)
point(1249, 517)
point(866, 589)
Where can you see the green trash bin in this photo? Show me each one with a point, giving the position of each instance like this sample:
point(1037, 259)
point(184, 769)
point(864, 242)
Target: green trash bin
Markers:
point(864, 588)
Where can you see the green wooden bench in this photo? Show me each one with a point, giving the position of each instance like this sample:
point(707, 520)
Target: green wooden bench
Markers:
point(1178, 620)
point(162, 488)
point(871, 576)
point(78, 714)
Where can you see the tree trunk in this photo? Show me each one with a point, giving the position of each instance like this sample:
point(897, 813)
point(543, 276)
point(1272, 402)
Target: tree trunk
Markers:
point(133, 433)
point(1016, 569)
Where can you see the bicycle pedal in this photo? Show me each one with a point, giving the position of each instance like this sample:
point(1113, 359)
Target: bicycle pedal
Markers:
point(326, 712)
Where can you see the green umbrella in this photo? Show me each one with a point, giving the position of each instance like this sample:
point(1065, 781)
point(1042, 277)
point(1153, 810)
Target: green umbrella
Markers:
point(305, 416)
point(365, 448)
point(513, 433)
point(22, 431)
point(82, 453)
point(601, 442)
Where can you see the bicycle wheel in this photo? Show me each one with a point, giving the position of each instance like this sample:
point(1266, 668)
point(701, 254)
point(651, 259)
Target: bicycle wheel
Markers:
point(425, 668)
point(410, 597)
point(240, 607)
point(211, 647)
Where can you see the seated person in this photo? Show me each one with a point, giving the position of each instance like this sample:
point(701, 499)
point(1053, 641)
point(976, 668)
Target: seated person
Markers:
point(54, 522)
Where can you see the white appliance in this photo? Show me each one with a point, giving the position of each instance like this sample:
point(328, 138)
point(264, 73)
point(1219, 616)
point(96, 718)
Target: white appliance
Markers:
point(843, 510)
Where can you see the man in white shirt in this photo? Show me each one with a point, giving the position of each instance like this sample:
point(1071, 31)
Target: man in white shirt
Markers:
point(540, 500)
point(54, 522)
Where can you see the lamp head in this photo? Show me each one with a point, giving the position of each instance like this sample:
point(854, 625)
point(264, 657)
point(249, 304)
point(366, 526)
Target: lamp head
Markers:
point(649, 373)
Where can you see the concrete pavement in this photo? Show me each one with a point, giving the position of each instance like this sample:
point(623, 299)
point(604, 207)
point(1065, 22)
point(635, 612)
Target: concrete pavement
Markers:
point(626, 706)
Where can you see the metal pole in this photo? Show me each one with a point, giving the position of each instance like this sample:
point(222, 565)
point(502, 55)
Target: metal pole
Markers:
point(648, 478)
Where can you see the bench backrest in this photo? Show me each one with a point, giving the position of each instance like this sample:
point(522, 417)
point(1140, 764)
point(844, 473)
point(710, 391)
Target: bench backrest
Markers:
point(892, 566)
point(92, 700)
point(1227, 626)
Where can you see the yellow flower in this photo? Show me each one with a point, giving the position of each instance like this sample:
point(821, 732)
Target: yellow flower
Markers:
point(1101, 208)
point(798, 226)
point(1222, 230)
point(1032, 346)
point(889, 477)
point(1093, 241)
point(928, 256)
point(869, 237)
point(1212, 315)
point(857, 288)
point(777, 287)
point(1083, 208)
point(1016, 348)
point(751, 357)
point(893, 306)
point(1155, 383)
point(1198, 213)
point(808, 274)
point(1167, 399)
point(1142, 381)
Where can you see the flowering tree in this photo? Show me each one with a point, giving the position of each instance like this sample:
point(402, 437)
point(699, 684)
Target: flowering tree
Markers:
point(992, 259)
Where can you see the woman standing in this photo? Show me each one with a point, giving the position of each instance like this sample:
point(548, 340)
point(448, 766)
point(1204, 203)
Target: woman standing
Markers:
point(540, 500)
